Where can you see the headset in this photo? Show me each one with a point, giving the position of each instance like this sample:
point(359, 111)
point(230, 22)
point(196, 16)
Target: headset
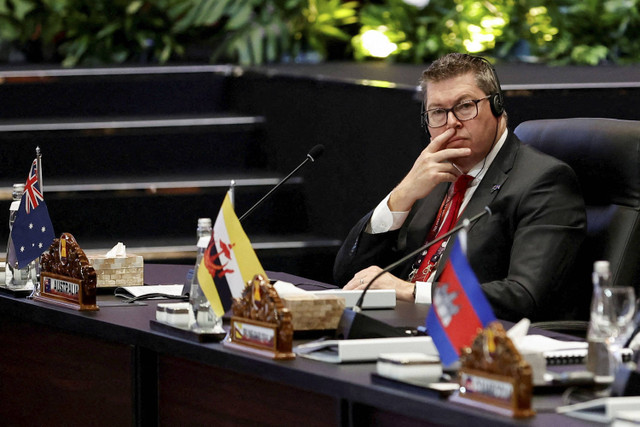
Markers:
point(496, 99)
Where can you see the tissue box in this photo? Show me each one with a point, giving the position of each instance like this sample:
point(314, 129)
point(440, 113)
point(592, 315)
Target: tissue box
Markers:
point(119, 271)
point(309, 313)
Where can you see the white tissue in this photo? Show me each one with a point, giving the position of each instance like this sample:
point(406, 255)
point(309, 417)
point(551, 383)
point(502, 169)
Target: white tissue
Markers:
point(519, 330)
point(118, 251)
point(533, 356)
point(286, 289)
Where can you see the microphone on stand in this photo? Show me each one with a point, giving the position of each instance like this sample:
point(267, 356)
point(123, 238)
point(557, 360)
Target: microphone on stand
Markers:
point(313, 154)
point(353, 324)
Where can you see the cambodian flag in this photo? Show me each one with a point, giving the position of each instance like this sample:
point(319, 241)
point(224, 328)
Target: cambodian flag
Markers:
point(459, 308)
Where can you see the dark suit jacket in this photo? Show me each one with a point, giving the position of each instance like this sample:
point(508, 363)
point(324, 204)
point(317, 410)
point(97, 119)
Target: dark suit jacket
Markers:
point(520, 254)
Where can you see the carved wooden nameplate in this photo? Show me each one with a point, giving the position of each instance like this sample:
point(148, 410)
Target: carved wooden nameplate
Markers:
point(494, 375)
point(67, 278)
point(261, 324)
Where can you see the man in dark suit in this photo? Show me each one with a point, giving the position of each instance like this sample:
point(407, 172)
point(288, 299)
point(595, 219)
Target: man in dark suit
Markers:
point(521, 253)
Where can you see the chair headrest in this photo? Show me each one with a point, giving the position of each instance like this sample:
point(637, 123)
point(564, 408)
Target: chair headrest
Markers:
point(604, 153)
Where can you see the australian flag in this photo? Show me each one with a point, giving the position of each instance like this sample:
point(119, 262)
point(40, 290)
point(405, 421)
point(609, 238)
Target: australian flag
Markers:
point(32, 231)
point(459, 308)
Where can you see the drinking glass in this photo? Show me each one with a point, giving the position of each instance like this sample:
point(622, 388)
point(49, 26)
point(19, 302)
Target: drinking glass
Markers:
point(612, 313)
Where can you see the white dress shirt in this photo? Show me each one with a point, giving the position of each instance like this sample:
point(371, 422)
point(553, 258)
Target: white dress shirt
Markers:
point(383, 219)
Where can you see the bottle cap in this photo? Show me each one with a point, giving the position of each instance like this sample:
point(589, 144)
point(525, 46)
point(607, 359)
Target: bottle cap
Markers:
point(601, 267)
point(204, 222)
point(18, 189)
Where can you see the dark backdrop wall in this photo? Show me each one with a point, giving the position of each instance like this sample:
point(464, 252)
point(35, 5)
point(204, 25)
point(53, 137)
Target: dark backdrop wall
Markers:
point(371, 129)
point(366, 115)
point(371, 134)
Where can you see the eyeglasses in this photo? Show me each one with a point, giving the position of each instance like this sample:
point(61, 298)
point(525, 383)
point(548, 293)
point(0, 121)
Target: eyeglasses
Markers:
point(466, 110)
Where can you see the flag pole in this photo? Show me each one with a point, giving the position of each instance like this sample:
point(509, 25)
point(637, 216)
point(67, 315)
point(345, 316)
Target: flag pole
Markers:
point(39, 168)
point(232, 193)
point(36, 264)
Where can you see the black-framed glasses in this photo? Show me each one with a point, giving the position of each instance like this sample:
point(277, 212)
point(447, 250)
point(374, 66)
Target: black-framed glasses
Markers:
point(466, 110)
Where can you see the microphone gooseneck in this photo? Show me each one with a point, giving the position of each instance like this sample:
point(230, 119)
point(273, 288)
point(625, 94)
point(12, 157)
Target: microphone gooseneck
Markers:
point(465, 223)
point(313, 155)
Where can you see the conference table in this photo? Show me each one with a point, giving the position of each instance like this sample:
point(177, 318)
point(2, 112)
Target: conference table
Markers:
point(59, 366)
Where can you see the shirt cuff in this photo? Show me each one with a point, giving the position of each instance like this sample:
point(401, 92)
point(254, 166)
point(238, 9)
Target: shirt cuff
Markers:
point(423, 292)
point(383, 219)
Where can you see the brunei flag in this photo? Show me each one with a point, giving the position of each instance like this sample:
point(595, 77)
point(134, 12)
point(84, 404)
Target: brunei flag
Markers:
point(459, 308)
point(229, 261)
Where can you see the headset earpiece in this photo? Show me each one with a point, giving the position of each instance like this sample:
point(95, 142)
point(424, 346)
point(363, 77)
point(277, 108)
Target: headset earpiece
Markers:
point(497, 104)
point(497, 98)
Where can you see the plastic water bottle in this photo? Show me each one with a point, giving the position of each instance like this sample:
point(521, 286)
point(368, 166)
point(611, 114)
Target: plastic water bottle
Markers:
point(205, 320)
point(17, 278)
point(598, 354)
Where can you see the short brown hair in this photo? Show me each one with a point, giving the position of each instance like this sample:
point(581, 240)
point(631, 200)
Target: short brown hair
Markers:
point(456, 64)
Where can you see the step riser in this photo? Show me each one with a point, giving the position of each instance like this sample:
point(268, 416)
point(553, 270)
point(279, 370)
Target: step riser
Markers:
point(92, 96)
point(81, 129)
point(169, 215)
point(100, 155)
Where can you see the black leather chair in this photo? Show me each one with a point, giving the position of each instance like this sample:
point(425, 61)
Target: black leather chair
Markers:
point(605, 154)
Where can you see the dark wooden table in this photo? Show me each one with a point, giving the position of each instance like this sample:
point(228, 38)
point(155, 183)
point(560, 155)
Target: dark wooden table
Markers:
point(62, 367)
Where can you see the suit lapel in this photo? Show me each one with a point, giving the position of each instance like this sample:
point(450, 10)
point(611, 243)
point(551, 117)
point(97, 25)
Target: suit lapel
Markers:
point(488, 190)
point(421, 219)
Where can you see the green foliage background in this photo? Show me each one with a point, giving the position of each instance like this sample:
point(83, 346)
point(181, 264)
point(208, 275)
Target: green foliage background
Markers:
point(93, 32)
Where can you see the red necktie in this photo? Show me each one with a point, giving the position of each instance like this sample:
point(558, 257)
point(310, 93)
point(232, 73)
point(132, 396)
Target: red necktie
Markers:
point(430, 260)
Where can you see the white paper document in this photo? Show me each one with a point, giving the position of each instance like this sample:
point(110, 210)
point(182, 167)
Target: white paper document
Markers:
point(604, 410)
point(137, 291)
point(530, 343)
point(374, 298)
point(363, 350)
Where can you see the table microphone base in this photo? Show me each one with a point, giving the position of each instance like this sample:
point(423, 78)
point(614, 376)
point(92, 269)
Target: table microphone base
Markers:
point(355, 325)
